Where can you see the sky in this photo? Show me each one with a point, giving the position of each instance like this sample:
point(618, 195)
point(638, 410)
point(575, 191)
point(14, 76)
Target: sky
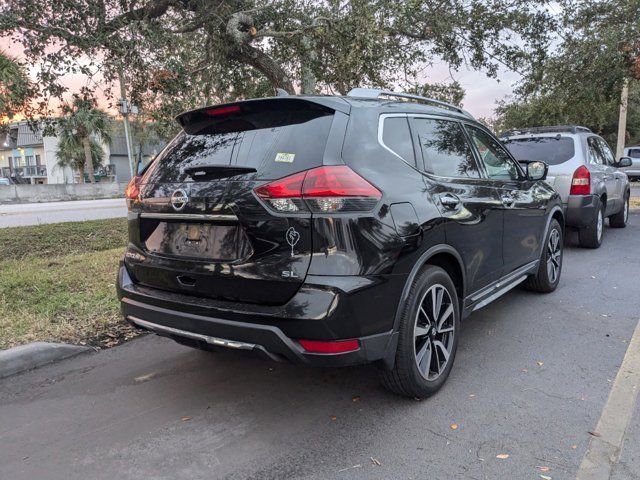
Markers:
point(482, 92)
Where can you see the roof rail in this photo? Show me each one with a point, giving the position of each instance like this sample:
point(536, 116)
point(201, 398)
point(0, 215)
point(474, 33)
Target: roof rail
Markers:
point(376, 93)
point(554, 129)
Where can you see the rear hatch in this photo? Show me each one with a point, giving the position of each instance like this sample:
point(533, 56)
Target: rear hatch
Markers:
point(553, 149)
point(197, 223)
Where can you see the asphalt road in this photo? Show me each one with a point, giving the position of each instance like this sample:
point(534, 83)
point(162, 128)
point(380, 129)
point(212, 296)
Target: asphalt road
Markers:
point(531, 378)
point(54, 212)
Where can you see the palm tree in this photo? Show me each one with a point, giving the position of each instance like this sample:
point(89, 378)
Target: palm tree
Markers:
point(70, 153)
point(83, 120)
point(15, 88)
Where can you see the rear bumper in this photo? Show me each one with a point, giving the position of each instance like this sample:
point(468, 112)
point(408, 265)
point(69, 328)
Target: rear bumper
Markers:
point(580, 210)
point(267, 330)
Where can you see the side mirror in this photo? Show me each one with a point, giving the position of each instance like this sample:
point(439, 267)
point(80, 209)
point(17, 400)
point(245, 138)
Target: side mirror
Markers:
point(624, 162)
point(537, 170)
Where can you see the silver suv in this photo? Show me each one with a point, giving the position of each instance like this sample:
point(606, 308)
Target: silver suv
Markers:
point(585, 173)
point(633, 171)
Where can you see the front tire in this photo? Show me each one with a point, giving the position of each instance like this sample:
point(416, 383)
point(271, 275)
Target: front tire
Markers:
point(428, 336)
point(591, 236)
point(619, 220)
point(548, 276)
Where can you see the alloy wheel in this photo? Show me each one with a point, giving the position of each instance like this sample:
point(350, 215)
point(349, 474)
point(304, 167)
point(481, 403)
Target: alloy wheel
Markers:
point(600, 225)
point(554, 256)
point(434, 332)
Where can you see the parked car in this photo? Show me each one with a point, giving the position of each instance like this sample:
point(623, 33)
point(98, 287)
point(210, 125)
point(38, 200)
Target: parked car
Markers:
point(4, 181)
point(585, 173)
point(633, 171)
point(335, 231)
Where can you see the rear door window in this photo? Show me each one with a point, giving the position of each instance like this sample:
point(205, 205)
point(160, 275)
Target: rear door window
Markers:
point(276, 140)
point(396, 136)
point(634, 152)
point(552, 150)
point(445, 149)
point(596, 157)
point(606, 152)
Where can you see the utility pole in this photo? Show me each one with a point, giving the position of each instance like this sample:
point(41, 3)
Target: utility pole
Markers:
point(622, 121)
point(125, 110)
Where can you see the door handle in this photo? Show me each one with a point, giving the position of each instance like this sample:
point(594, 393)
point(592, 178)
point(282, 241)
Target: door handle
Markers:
point(449, 201)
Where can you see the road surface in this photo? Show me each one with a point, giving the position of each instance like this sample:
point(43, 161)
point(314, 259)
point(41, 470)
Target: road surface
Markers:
point(54, 212)
point(531, 380)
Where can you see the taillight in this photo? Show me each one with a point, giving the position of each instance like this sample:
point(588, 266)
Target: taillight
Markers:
point(581, 181)
point(332, 346)
point(219, 111)
point(133, 189)
point(323, 190)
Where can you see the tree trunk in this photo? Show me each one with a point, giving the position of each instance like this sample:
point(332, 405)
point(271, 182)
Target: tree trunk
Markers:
point(308, 79)
point(88, 161)
point(243, 52)
point(81, 171)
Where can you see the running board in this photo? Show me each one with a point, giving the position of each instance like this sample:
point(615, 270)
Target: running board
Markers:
point(499, 293)
point(502, 286)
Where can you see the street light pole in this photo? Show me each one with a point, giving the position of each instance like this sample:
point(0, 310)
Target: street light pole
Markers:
point(124, 110)
point(622, 121)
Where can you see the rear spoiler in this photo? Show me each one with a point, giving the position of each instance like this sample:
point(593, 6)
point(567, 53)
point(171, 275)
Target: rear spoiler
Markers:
point(193, 121)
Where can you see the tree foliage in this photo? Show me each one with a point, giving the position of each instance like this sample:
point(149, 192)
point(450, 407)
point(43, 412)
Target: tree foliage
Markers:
point(15, 87)
point(83, 122)
point(179, 54)
point(70, 153)
point(581, 81)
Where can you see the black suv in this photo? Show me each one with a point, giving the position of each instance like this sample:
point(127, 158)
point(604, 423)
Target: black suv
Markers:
point(335, 231)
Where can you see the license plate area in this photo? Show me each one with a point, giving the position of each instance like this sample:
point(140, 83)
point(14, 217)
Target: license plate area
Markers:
point(202, 241)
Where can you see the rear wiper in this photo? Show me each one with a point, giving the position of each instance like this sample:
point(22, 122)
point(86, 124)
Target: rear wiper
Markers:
point(208, 172)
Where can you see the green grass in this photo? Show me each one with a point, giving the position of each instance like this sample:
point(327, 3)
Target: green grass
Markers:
point(19, 243)
point(57, 283)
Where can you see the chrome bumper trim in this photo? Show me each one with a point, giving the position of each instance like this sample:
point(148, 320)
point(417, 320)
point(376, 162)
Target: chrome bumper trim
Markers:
point(191, 216)
point(220, 342)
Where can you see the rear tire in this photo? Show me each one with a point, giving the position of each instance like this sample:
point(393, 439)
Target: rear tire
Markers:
point(591, 236)
point(548, 276)
point(428, 336)
point(619, 220)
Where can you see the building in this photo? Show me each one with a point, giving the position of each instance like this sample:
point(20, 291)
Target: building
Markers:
point(27, 156)
point(118, 152)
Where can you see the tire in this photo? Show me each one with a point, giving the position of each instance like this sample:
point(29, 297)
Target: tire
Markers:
point(591, 236)
point(619, 220)
point(548, 276)
point(419, 334)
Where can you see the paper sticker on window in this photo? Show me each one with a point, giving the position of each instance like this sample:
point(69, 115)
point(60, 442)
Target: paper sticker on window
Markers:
point(285, 157)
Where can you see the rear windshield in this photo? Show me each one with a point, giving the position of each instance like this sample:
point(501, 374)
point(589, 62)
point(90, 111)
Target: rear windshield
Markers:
point(552, 150)
point(275, 140)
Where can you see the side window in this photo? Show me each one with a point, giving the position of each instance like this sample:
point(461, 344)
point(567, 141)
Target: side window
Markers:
point(397, 138)
point(634, 152)
point(497, 161)
point(606, 152)
point(595, 155)
point(445, 149)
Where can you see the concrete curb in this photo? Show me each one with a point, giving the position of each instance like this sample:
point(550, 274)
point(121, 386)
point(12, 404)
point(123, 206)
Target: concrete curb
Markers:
point(36, 354)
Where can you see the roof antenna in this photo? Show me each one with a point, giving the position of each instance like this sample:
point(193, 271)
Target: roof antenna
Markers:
point(281, 92)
